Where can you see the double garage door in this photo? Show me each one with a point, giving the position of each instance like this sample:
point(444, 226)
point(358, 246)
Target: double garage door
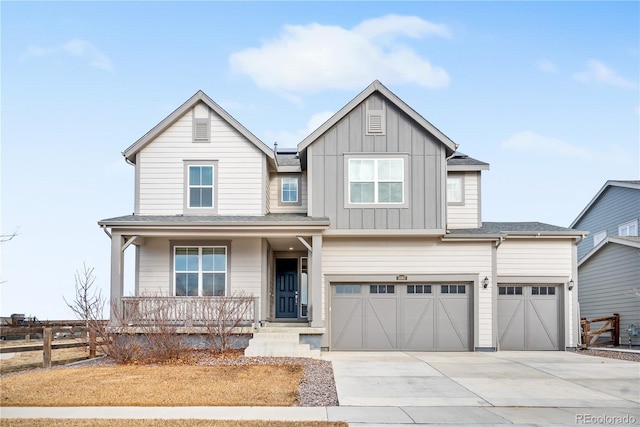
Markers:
point(529, 317)
point(411, 316)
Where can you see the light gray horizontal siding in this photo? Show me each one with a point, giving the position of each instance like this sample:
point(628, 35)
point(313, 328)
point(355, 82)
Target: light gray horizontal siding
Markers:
point(240, 186)
point(466, 215)
point(156, 258)
point(609, 282)
point(426, 171)
point(615, 206)
point(535, 257)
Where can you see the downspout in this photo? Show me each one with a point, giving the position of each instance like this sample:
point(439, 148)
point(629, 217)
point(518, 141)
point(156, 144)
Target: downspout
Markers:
point(104, 228)
point(446, 207)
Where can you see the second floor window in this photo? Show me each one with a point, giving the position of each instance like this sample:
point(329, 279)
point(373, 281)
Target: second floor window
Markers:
point(200, 186)
point(289, 191)
point(628, 229)
point(454, 190)
point(376, 181)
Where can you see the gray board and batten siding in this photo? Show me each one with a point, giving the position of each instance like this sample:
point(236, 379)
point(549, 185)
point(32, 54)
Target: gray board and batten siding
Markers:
point(611, 278)
point(425, 170)
point(615, 206)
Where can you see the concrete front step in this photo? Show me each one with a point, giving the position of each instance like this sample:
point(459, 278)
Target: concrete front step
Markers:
point(274, 342)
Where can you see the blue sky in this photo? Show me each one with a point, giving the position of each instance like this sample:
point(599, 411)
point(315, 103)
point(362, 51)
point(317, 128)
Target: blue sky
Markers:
point(546, 92)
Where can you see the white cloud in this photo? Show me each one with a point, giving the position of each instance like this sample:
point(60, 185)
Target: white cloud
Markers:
point(291, 139)
point(531, 142)
point(599, 73)
point(77, 48)
point(546, 66)
point(315, 57)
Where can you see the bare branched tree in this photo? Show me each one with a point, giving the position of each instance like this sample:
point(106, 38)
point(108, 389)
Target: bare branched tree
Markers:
point(7, 237)
point(88, 304)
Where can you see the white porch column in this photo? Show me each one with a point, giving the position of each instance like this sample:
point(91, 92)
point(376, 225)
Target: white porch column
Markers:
point(117, 276)
point(316, 281)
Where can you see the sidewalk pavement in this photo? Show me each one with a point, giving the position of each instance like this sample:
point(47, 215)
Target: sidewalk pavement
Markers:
point(400, 389)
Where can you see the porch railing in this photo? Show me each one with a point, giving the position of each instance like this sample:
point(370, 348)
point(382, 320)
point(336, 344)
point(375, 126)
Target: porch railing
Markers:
point(189, 311)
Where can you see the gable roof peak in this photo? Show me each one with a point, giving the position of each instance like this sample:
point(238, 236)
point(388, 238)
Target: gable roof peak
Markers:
point(377, 86)
point(632, 184)
point(199, 96)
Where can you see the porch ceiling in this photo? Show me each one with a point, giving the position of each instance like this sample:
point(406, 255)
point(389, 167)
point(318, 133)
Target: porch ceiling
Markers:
point(287, 244)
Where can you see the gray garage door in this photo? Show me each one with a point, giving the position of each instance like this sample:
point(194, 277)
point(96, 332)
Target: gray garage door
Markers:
point(413, 316)
point(528, 317)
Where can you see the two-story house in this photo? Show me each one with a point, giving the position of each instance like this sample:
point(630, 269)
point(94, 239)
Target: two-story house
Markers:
point(609, 258)
point(368, 236)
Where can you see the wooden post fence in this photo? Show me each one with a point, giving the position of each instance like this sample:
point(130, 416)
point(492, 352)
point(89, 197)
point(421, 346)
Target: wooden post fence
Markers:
point(46, 347)
point(610, 326)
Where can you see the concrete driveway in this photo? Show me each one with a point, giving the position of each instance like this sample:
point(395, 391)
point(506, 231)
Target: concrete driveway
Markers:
point(397, 388)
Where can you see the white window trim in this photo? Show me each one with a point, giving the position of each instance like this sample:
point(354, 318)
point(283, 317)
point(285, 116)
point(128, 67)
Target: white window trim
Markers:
point(205, 210)
point(296, 202)
point(460, 202)
point(174, 248)
point(599, 237)
point(376, 156)
point(628, 225)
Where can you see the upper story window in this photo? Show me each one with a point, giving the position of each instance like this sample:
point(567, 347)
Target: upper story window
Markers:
point(289, 193)
point(628, 229)
point(200, 187)
point(200, 271)
point(599, 237)
point(455, 190)
point(376, 181)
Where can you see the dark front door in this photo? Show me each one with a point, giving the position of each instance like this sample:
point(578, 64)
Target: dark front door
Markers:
point(287, 288)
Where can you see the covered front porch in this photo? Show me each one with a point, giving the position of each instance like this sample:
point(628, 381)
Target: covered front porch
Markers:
point(186, 267)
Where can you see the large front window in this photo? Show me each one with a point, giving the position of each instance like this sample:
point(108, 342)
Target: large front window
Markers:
point(376, 181)
point(200, 271)
point(200, 186)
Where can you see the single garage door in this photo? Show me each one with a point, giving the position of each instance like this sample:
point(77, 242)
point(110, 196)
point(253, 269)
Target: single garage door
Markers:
point(412, 316)
point(528, 317)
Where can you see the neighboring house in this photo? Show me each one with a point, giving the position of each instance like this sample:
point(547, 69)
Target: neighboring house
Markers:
point(609, 258)
point(368, 236)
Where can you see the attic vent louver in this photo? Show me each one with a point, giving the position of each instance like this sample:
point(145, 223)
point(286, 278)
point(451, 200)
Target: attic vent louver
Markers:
point(375, 122)
point(201, 130)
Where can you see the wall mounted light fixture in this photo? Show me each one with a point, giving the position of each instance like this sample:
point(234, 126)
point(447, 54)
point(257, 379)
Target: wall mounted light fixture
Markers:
point(485, 282)
point(570, 284)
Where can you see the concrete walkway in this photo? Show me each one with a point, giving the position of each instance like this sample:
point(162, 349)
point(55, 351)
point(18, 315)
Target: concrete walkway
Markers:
point(412, 389)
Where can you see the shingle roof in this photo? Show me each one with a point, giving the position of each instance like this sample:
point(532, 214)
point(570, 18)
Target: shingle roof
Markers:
point(287, 159)
point(461, 159)
point(276, 219)
point(514, 228)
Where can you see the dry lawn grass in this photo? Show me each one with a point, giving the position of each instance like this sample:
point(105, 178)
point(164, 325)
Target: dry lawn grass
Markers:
point(31, 359)
point(49, 422)
point(164, 385)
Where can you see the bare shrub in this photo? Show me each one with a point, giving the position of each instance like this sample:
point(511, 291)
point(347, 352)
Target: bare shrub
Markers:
point(163, 340)
point(224, 314)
